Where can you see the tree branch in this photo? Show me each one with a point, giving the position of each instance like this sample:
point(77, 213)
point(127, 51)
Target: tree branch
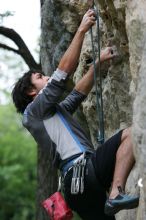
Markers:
point(5, 47)
point(23, 50)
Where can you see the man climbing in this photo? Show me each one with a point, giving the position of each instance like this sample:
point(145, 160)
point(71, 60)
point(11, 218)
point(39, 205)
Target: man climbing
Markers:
point(87, 174)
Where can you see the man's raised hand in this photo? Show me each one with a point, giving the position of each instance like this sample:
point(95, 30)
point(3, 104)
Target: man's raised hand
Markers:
point(87, 21)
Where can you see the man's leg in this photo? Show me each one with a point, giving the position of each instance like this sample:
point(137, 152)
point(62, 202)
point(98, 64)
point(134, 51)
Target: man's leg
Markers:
point(124, 163)
point(118, 200)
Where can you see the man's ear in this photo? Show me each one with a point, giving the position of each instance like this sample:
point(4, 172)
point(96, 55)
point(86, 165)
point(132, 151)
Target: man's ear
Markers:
point(32, 92)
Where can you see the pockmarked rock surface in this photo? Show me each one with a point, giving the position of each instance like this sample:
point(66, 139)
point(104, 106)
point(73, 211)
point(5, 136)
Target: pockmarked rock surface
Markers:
point(122, 24)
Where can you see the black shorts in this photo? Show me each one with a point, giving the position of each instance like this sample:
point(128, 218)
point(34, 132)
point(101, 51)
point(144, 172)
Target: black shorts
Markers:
point(104, 160)
point(90, 204)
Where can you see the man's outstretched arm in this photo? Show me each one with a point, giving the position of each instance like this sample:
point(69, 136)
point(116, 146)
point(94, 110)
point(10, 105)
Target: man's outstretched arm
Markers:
point(83, 87)
point(70, 59)
point(86, 83)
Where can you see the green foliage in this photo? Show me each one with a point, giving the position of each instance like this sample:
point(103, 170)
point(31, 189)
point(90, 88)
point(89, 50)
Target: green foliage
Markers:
point(17, 168)
point(76, 217)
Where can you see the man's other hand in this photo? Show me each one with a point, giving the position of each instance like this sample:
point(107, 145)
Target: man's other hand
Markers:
point(108, 53)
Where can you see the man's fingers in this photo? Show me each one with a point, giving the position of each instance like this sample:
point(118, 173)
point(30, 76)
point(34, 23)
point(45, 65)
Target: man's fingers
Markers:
point(88, 20)
point(93, 18)
point(91, 12)
point(109, 53)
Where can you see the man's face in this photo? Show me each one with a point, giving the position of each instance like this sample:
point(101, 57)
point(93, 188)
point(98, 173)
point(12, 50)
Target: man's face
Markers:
point(39, 81)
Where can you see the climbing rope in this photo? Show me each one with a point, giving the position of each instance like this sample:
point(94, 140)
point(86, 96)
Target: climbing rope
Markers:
point(98, 90)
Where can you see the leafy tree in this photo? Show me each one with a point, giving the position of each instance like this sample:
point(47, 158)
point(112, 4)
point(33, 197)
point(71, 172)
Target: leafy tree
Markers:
point(17, 168)
point(47, 175)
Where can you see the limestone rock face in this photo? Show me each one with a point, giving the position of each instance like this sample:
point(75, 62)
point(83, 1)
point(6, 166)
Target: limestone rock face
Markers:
point(122, 24)
point(136, 29)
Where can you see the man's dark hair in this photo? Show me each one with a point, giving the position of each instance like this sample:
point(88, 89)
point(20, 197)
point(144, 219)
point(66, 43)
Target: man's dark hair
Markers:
point(20, 91)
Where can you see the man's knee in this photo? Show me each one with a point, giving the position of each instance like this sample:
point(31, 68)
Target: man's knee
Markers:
point(126, 134)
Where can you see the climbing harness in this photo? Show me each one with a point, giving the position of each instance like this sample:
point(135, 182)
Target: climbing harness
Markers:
point(99, 99)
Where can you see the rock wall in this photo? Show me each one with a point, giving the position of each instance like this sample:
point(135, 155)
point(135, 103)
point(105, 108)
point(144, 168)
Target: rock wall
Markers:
point(123, 24)
point(136, 31)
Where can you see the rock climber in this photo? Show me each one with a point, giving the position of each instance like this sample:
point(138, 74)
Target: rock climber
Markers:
point(106, 169)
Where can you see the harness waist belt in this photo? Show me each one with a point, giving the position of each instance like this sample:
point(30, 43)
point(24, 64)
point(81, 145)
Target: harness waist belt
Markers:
point(73, 161)
point(68, 165)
